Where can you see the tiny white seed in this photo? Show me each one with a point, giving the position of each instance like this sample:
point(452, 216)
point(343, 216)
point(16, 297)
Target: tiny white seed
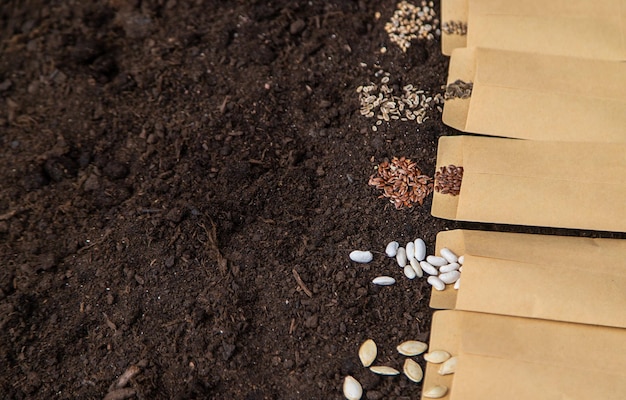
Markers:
point(412, 348)
point(413, 370)
point(436, 261)
point(391, 249)
point(448, 255)
point(461, 260)
point(461, 268)
point(352, 388)
point(416, 267)
point(436, 282)
point(384, 281)
point(420, 249)
point(436, 356)
point(410, 250)
point(368, 352)
point(429, 269)
point(384, 370)
point(409, 272)
point(435, 392)
point(361, 256)
point(457, 284)
point(401, 257)
point(450, 277)
point(449, 267)
point(448, 367)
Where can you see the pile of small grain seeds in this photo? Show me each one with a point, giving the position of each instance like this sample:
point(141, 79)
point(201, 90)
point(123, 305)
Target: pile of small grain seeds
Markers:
point(411, 22)
point(381, 101)
point(402, 182)
point(454, 28)
point(448, 180)
point(459, 90)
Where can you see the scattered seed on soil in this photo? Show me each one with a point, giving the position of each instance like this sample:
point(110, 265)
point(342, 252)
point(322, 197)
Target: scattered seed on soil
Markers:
point(448, 180)
point(448, 366)
point(435, 282)
point(458, 90)
point(402, 182)
point(435, 392)
point(410, 250)
point(384, 370)
point(413, 370)
point(429, 268)
point(368, 352)
point(410, 22)
point(412, 348)
point(352, 389)
point(362, 257)
point(436, 356)
point(383, 281)
point(392, 249)
point(401, 257)
point(420, 249)
point(416, 267)
point(409, 272)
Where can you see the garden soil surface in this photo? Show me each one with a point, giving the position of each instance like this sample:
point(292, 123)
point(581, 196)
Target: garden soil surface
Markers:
point(181, 185)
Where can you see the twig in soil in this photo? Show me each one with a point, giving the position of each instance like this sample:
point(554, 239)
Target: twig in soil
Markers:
point(301, 284)
point(120, 394)
point(117, 390)
point(211, 243)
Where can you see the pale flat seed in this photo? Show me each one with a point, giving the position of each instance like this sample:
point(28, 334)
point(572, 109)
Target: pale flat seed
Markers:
point(450, 277)
point(437, 356)
point(409, 272)
point(450, 267)
point(448, 367)
point(416, 267)
point(413, 370)
point(384, 370)
point(429, 269)
point(361, 256)
point(352, 389)
point(368, 352)
point(448, 255)
point(461, 260)
point(412, 348)
point(457, 284)
point(410, 250)
point(435, 392)
point(401, 257)
point(436, 261)
point(392, 249)
point(383, 281)
point(420, 249)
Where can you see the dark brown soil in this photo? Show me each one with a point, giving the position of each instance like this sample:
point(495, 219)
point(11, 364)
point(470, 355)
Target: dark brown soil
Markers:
point(165, 166)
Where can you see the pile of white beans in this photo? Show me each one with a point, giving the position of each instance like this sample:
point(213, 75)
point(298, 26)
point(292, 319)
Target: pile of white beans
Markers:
point(443, 270)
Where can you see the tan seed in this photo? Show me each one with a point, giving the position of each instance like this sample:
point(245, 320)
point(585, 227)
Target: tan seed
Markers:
point(384, 370)
point(368, 352)
point(412, 348)
point(448, 367)
point(413, 370)
point(436, 356)
point(435, 392)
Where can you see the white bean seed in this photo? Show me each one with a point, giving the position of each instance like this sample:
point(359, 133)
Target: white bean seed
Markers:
point(361, 256)
point(392, 248)
point(436, 261)
point(429, 269)
point(436, 282)
point(457, 284)
point(401, 257)
point(461, 260)
point(449, 267)
point(450, 277)
point(384, 281)
point(409, 272)
point(448, 255)
point(420, 249)
point(410, 250)
point(416, 267)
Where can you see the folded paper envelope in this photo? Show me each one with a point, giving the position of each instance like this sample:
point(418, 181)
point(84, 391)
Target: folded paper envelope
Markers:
point(523, 182)
point(538, 96)
point(503, 357)
point(579, 28)
point(570, 279)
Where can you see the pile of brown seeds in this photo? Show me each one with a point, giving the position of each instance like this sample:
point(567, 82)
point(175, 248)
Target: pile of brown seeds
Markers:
point(402, 182)
point(412, 22)
point(454, 28)
point(381, 101)
point(448, 180)
point(459, 90)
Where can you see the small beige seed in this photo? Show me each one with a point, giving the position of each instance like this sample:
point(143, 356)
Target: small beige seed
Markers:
point(384, 370)
point(352, 389)
point(413, 370)
point(412, 348)
point(368, 352)
point(448, 367)
point(435, 392)
point(436, 356)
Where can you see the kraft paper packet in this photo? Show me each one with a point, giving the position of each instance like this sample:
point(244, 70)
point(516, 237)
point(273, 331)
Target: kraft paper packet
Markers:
point(524, 182)
point(570, 279)
point(578, 28)
point(503, 357)
point(538, 96)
